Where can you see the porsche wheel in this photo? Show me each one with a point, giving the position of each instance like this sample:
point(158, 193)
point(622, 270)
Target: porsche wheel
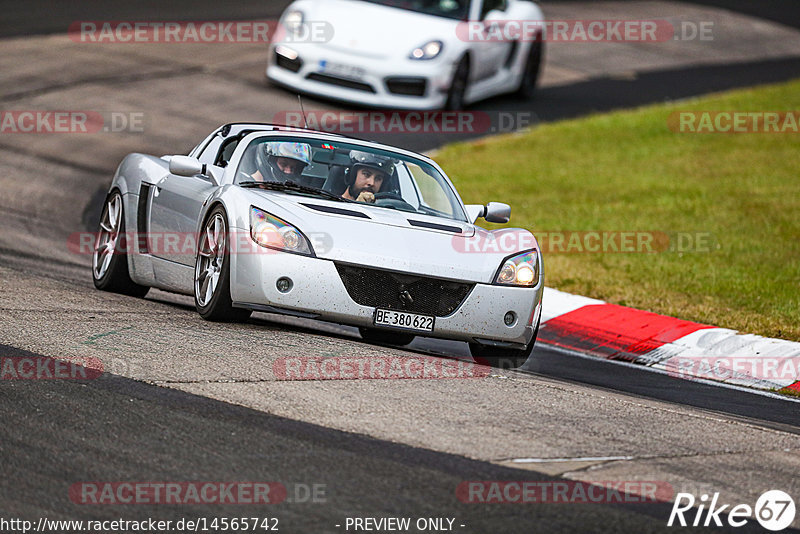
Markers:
point(386, 337)
point(503, 358)
point(110, 256)
point(458, 87)
point(533, 65)
point(212, 280)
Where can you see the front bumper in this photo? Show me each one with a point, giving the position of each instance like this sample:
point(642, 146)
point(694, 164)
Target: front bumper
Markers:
point(318, 291)
point(436, 75)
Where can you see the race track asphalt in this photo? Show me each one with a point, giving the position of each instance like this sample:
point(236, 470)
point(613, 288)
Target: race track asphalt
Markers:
point(184, 400)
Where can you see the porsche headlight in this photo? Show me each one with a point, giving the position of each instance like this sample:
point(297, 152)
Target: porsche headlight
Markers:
point(520, 270)
point(272, 232)
point(429, 50)
point(293, 22)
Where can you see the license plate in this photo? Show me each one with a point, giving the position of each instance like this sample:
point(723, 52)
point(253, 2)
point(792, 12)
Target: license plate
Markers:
point(405, 320)
point(338, 69)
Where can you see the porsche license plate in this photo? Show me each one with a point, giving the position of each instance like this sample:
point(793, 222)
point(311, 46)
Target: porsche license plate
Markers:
point(344, 71)
point(405, 320)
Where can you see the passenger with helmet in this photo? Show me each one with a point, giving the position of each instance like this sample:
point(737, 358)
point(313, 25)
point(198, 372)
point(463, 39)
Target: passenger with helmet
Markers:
point(279, 161)
point(368, 174)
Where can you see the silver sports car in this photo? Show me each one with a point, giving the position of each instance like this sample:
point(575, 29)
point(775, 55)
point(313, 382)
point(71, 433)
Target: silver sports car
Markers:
point(286, 220)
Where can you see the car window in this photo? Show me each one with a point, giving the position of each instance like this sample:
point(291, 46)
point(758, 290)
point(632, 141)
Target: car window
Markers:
point(226, 152)
point(431, 195)
point(371, 176)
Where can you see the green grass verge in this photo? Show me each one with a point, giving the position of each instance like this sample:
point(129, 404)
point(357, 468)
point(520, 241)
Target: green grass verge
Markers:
point(789, 392)
point(627, 171)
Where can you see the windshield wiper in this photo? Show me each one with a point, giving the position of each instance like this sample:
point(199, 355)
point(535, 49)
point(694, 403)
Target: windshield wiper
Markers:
point(294, 186)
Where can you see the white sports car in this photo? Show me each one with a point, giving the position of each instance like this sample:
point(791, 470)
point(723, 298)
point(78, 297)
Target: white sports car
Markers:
point(408, 54)
point(293, 221)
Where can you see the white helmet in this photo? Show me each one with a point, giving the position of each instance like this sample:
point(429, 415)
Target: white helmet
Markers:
point(282, 149)
point(268, 154)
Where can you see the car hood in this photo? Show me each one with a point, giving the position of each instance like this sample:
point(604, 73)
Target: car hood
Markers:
point(386, 239)
point(371, 30)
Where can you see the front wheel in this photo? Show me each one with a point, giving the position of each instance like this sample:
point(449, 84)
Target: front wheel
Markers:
point(386, 337)
point(458, 87)
point(533, 65)
point(212, 279)
point(110, 257)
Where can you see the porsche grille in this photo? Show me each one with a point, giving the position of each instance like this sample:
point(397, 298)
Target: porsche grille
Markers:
point(395, 291)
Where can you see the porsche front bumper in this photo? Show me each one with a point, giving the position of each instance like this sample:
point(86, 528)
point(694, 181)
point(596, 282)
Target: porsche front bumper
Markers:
point(378, 82)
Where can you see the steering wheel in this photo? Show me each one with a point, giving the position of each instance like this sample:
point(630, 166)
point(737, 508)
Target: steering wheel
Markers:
point(390, 199)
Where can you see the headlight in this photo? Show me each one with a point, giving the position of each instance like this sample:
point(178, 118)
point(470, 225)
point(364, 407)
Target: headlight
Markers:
point(429, 50)
point(293, 21)
point(519, 270)
point(271, 232)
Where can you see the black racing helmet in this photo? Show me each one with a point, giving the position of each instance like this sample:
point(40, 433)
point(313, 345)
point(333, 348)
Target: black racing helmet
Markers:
point(359, 158)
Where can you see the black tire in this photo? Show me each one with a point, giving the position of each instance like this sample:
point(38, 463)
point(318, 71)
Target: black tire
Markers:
point(503, 358)
point(386, 337)
point(533, 67)
point(217, 306)
point(458, 87)
point(110, 268)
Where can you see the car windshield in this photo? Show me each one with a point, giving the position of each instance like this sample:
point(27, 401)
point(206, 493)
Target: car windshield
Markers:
point(343, 171)
point(451, 9)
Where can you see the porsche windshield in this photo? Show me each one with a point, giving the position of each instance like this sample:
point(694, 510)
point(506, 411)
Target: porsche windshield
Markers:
point(348, 172)
point(451, 9)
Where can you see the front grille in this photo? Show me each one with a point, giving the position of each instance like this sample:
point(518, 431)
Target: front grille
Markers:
point(293, 65)
point(384, 289)
point(341, 82)
point(406, 86)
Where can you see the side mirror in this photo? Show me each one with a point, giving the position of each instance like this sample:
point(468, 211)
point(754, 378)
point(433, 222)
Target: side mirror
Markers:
point(494, 212)
point(186, 166)
point(497, 212)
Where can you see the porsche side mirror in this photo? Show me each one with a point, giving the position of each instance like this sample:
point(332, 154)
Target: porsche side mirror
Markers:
point(186, 166)
point(494, 212)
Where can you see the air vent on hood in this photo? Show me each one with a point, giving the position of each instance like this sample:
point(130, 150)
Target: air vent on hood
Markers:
point(435, 226)
point(336, 211)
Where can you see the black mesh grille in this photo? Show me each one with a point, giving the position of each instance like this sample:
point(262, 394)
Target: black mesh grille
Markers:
point(341, 82)
point(395, 291)
point(406, 86)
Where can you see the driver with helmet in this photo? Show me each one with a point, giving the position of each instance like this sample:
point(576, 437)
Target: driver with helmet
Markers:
point(368, 174)
point(278, 161)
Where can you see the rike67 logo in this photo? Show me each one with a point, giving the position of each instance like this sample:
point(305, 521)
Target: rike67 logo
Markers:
point(774, 510)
